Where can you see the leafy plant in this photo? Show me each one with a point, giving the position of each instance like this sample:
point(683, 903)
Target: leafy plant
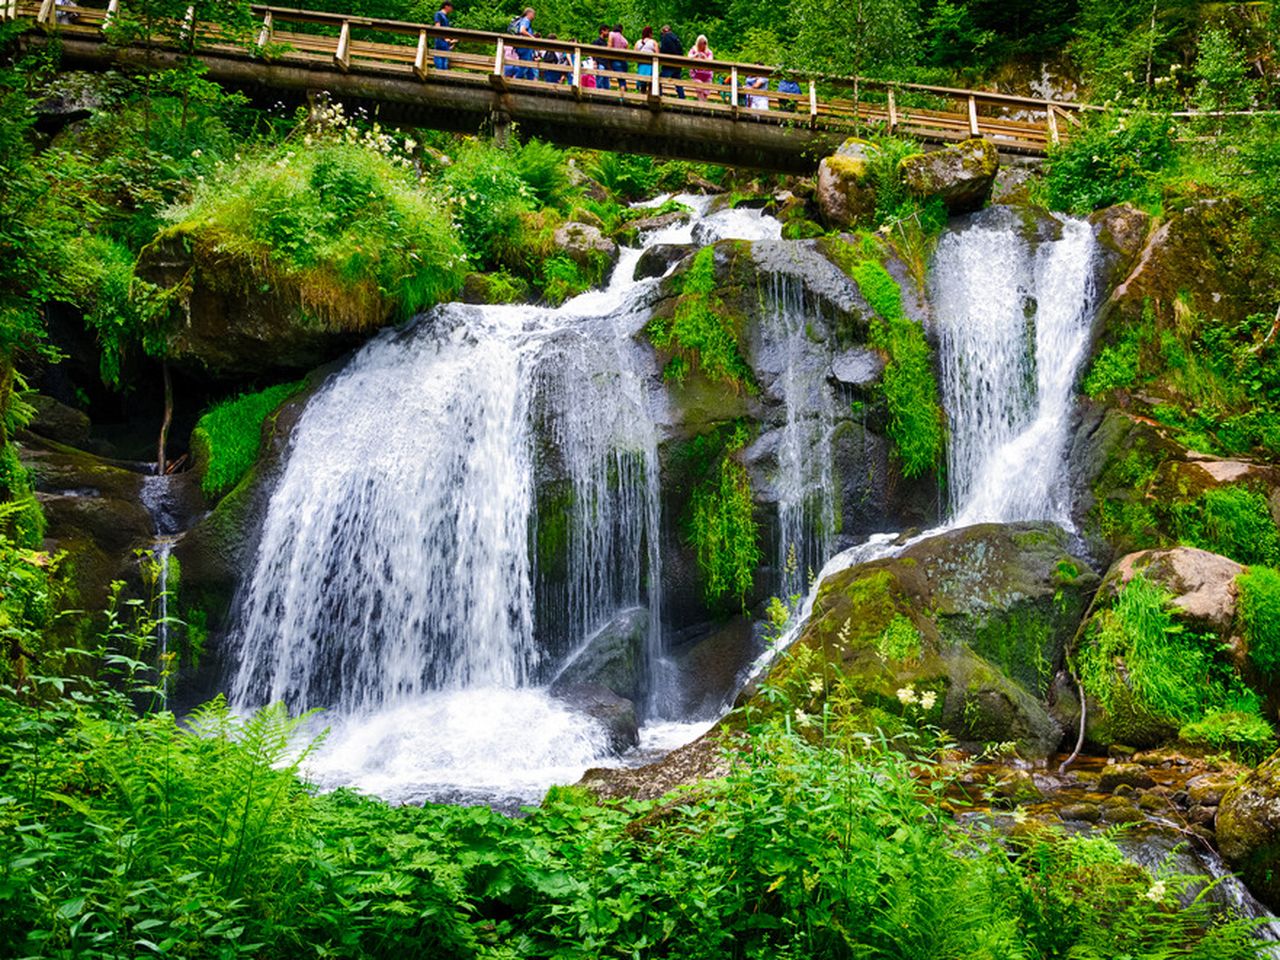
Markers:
point(228, 438)
point(1259, 612)
point(1233, 520)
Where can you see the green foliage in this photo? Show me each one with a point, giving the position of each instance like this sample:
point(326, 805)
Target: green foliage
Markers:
point(1116, 367)
point(892, 200)
point(1234, 521)
point(900, 642)
point(701, 335)
point(228, 437)
point(723, 530)
point(562, 279)
point(1243, 733)
point(1148, 673)
point(850, 40)
point(343, 223)
point(910, 387)
point(1222, 70)
point(1259, 612)
point(1113, 157)
point(627, 176)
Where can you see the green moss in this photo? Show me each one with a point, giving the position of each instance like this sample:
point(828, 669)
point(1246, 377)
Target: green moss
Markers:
point(723, 530)
point(1234, 521)
point(900, 641)
point(1259, 611)
point(1244, 733)
point(21, 515)
point(702, 334)
point(910, 387)
point(228, 438)
point(552, 528)
point(1021, 646)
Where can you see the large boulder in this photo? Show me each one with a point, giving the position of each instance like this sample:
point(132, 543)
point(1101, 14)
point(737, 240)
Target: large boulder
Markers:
point(661, 257)
point(961, 176)
point(977, 618)
point(845, 195)
point(1202, 585)
point(1248, 830)
point(586, 246)
point(613, 657)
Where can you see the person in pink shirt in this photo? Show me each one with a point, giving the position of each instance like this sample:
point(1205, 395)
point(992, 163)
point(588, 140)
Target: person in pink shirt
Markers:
point(619, 42)
point(700, 75)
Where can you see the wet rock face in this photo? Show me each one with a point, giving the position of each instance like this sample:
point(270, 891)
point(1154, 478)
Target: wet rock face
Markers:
point(980, 617)
point(585, 245)
point(1248, 830)
point(658, 259)
point(613, 658)
point(616, 714)
point(960, 176)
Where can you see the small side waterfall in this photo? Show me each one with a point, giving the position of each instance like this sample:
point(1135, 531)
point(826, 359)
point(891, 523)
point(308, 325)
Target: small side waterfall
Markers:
point(1013, 326)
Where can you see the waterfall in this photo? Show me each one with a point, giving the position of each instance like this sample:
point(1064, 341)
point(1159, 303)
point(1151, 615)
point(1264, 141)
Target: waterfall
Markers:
point(1013, 326)
point(462, 505)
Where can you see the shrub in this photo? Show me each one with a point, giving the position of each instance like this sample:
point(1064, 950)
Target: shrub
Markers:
point(1110, 159)
point(351, 230)
point(1259, 611)
point(228, 437)
point(1244, 733)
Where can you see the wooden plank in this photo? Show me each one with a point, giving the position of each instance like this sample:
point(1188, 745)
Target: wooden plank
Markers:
point(577, 71)
point(973, 117)
point(893, 111)
point(1053, 123)
point(47, 17)
point(733, 90)
point(264, 35)
point(342, 56)
point(420, 56)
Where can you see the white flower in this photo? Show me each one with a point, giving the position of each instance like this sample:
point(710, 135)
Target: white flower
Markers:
point(803, 719)
point(197, 152)
point(1157, 892)
point(906, 696)
point(815, 684)
point(928, 699)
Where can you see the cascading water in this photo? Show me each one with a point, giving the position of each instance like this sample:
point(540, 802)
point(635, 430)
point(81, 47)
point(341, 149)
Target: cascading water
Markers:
point(1013, 326)
point(462, 505)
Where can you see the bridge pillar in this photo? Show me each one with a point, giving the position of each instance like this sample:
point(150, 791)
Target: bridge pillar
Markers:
point(500, 120)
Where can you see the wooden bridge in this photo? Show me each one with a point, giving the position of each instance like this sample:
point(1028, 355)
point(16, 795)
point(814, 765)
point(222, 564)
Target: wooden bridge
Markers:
point(739, 117)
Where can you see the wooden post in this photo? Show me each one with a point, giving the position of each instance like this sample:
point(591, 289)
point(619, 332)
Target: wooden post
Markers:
point(893, 112)
point(264, 35)
point(47, 17)
point(577, 71)
point(420, 57)
point(1053, 123)
point(497, 59)
point(655, 88)
point(342, 56)
point(733, 88)
point(113, 8)
point(813, 102)
point(973, 117)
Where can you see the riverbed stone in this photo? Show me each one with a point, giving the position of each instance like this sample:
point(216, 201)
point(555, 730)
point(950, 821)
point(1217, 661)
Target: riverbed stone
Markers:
point(585, 245)
point(1121, 810)
point(1248, 830)
point(844, 194)
point(961, 176)
point(1080, 812)
point(659, 258)
point(1129, 775)
point(616, 714)
point(1209, 788)
point(57, 421)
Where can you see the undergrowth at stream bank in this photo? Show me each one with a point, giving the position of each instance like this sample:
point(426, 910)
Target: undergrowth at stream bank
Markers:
point(228, 438)
point(128, 835)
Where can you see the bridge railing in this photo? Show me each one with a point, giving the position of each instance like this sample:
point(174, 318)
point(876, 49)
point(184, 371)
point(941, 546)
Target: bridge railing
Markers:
point(743, 92)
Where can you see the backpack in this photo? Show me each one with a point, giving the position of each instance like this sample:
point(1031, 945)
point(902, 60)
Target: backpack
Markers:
point(514, 25)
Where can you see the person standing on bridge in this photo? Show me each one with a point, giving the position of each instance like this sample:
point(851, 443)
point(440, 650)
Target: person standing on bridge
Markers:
point(618, 42)
point(670, 45)
point(522, 26)
point(603, 64)
point(702, 75)
point(646, 44)
point(443, 43)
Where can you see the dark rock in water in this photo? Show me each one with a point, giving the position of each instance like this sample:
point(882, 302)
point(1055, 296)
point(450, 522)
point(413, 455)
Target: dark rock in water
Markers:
point(710, 670)
point(858, 367)
point(1017, 787)
point(658, 259)
point(1210, 788)
point(659, 221)
point(616, 714)
point(613, 658)
point(1121, 810)
point(57, 421)
point(1248, 830)
point(961, 176)
point(979, 618)
point(1129, 775)
point(1080, 812)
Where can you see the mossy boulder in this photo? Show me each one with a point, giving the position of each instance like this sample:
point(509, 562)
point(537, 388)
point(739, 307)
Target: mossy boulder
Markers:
point(613, 657)
point(57, 421)
point(978, 617)
point(586, 246)
point(237, 322)
point(961, 176)
point(1248, 830)
point(844, 194)
point(1201, 585)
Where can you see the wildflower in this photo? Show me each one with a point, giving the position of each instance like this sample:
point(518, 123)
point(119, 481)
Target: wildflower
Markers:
point(906, 695)
point(803, 719)
point(1157, 892)
point(410, 145)
point(815, 684)
point(927, 699)
point(197, 152)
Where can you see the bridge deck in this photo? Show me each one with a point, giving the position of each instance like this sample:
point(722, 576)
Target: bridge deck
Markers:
point(391, 68)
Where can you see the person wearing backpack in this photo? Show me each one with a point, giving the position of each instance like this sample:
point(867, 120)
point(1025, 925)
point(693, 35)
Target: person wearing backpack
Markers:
point(669, 44)
point(522, 26)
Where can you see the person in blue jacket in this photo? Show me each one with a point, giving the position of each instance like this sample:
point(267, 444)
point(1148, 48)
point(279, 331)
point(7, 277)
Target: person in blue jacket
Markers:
point(523, 27)
point(443, 43)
